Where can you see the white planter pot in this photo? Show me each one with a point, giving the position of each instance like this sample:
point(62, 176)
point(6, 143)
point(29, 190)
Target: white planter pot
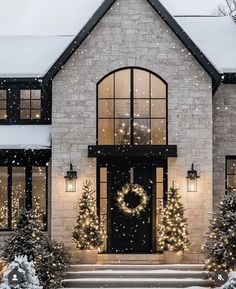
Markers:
point(88, 256)
point(173, 257)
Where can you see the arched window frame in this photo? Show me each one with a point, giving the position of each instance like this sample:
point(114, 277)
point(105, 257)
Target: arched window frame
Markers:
point(132, 68)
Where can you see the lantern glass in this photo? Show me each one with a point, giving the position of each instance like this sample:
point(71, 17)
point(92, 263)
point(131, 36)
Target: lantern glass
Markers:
point(192, 184)
point(70, 185)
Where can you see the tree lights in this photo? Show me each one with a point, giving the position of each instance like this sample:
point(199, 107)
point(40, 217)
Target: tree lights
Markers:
point(172, 230)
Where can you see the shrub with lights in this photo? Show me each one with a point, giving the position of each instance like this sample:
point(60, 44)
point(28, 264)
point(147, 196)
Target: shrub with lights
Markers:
point(172, 230)
point(87, 235)
point(221, 241)
point(50, 258)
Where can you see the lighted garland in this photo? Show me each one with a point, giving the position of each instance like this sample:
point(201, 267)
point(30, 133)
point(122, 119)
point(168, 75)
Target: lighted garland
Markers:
point(138, 191)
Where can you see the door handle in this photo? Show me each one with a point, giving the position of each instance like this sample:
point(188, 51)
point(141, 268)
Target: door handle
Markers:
point(149, 220)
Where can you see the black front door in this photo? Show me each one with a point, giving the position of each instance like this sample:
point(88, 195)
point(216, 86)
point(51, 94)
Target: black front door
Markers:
point(130, 234)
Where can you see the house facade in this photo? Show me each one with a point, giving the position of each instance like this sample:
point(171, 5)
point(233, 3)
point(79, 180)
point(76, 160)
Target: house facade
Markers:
point(131, 99)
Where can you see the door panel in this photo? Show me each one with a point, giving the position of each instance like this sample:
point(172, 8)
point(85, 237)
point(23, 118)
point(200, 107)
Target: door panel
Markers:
point(129, 234)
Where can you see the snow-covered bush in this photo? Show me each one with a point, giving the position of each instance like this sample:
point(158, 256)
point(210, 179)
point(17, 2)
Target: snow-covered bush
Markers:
point(27, 270)
point(231, 284)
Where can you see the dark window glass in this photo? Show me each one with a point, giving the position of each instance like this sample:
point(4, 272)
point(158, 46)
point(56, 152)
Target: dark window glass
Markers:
point(3, 104)
point(132, 109)
point(30, 104)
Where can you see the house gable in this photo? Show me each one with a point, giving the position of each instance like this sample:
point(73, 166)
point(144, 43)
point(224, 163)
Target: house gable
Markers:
point(163, 13)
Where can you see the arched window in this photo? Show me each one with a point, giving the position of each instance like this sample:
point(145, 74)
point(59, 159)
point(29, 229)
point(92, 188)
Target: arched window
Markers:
point(132, 108)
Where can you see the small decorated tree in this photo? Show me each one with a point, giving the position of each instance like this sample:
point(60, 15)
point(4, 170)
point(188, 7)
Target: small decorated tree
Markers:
point(172, 230)
point(26, 271)
point(221, 242)
point(87, 235)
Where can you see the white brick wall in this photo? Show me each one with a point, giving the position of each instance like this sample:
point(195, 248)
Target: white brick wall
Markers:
point(132, 34)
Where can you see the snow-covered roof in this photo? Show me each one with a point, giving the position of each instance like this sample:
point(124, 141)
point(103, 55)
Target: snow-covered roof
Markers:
point(30, 56)
point(215, 36)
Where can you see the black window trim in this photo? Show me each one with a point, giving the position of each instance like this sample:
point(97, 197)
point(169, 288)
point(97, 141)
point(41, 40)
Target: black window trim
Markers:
point(132, 68)
point(228, 157)
point(13, 99)
point(27, 159)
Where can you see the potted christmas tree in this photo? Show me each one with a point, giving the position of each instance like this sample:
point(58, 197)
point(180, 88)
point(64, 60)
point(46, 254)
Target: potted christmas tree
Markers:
point(86, 233)
point(172, 230)
point(221, 241)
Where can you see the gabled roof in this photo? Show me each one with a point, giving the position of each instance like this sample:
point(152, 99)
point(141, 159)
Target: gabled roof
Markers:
point(165, 15)
point(215, 36)
point(66, 47)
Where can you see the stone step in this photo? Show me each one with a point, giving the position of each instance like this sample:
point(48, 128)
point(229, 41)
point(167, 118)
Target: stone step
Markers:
point(135, 283)
point(136, 273)
point(130, 258)
point(123, 267)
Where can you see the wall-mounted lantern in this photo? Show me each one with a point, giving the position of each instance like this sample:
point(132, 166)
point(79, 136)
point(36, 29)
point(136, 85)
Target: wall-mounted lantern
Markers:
point(70, 178)
point(192, 177)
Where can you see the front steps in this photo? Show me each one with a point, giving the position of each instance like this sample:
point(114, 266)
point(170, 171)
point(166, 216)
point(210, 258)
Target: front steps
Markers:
point(136, 276)
point(130, 258)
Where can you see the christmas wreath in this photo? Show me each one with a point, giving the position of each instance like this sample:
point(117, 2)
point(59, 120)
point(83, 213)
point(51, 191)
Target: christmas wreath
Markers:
point(138, 191)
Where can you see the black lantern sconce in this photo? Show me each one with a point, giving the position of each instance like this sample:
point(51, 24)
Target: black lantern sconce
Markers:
point(70, 178)
point(192, 177)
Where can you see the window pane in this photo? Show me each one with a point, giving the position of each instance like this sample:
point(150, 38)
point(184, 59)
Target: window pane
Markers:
point(122, 133)
point(18, 192)
point(39, 191)
point(141, 108)
point(3, 94)
point(103, 174)
point(3, 198)
point(158, 131)
point(158, 88)
point(158, 108)
point(106, 87)
point(25, 104)
point(122, 84)
point(35, 114)
point(36, 94)
point(103, 206)
point(25, 94)
point(231, 181)
point(25, 114)
point(159, 175)
point(106, 131)
point(141, 131)
point(141, 83)
point(159, 190)
point(103, 190)
point(122, 108)
point(3, 104)
point(36, 104)
point(3, 114)
point(105, 108)
point(231, 166)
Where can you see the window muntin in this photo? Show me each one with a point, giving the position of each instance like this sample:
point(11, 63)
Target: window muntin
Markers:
point(3, 104)
point(231, 174)
point(24, 186)
point(132, 109)
point(30, 104)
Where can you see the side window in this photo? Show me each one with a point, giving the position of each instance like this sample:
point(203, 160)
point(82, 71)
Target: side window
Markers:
point(22, 186)
point(231, 174)
point(30, 103)
point(3, 104)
